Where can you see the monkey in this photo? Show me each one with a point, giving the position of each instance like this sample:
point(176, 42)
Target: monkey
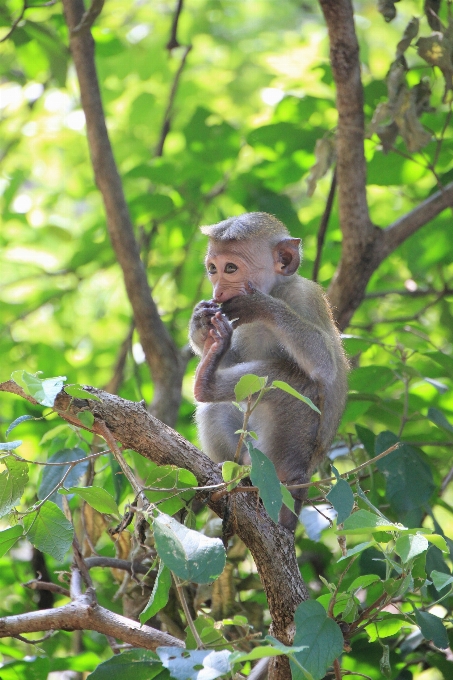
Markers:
point(264, 318)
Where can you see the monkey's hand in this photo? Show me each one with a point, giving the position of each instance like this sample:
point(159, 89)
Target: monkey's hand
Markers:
point(216, 345)
point(250, 307)
point(200, 323)
point(219, 337)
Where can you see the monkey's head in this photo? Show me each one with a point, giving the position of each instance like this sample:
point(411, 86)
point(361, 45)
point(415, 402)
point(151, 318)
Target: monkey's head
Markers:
point(253, 248)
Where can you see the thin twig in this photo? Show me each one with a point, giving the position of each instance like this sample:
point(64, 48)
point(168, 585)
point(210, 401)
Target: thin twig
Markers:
point(187, 614)
point(337, 669)
point(45, 585)
point(89, 17)
point(16, 23)
point(116, 380)
point(113, 446)
point(173, 41)
point(35, 642)
point(326, 480)
point(323, 226)
point(168, 111)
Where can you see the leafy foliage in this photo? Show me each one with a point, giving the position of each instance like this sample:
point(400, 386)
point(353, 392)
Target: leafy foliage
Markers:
point(252, 128)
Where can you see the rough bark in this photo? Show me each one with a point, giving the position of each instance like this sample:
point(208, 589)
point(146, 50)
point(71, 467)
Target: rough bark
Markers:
point(166, 365)
point(365, 245)
point(271, 546)
point(83, 613)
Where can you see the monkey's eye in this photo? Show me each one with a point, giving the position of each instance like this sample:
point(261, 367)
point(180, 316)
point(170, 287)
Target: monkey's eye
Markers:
point(230, 268)
point(211, 268)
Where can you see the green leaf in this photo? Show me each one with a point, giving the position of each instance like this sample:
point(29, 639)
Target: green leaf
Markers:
point(438, 418)
point(368, 438)
point(354, 344)
point(208, 633)
point(36, 669)
point(97, 497)
point(86, 661)
point(432, 628)
point(53, 474)
point(439, 579)
point(322, 637)
point(363, 581)
point(290, 390)
point(264, 476)
point(234, 471)
point(342, 499)
point(136, 664)
point(438, 541)
point(13, 481)
point(287, 498)
point(159, 595)
point(190, 555)
point(387, 627)
point(185, 664)
point(17, 422)
point(79, 392)
point(247, 385)
point(86, 417)
point(360, 547)
point(409, 546)
point(9, 537)
point(363, 521)
point(263, 652)
point(49, 530)
point(167, 477)
point(360, 379)
point(409, 480)
point(44, 391)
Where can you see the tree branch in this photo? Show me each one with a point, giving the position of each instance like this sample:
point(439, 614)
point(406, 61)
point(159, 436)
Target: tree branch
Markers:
point(89, 17)
point(168, 111)
point(365, 246)
point(160, 351)
point(402, 228)
point(351, 168)
point(173, 40)
point(271, 545)
point(84, 613)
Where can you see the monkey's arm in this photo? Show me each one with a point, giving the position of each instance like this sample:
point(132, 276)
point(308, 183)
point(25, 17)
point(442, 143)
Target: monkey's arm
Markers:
point(212, 383)
point(308, 334)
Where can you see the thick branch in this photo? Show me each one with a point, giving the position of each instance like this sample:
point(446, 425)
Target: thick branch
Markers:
point(405, 226)
point(271, 545)
point(351, 169)
point(85, 614)
point(358, 263)
point(364, 245)
point(160, 351)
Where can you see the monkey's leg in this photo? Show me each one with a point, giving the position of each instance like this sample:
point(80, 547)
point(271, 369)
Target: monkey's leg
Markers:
point(217, 423)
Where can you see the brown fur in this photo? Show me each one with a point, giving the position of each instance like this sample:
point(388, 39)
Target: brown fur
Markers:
point(267, 320)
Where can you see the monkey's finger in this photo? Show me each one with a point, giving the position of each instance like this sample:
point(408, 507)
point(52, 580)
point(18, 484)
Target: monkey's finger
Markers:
point(220, 323)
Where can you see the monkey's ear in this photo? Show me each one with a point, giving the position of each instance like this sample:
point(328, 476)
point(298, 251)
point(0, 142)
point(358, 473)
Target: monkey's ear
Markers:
point(287, 256)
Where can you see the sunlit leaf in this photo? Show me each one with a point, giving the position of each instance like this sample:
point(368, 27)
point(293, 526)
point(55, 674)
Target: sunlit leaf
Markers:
point(97, 497)
point(249, 384)
point(264, 476)
point(190, 555)
point(159, 595)
point(49, 530)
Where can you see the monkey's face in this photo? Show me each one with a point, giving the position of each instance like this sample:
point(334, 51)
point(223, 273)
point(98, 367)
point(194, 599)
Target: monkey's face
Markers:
point(233, 266)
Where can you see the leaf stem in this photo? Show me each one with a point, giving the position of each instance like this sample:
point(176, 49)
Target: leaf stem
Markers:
point(187, 614)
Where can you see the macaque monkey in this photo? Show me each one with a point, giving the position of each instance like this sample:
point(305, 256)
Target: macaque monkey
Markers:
point(267, 320)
